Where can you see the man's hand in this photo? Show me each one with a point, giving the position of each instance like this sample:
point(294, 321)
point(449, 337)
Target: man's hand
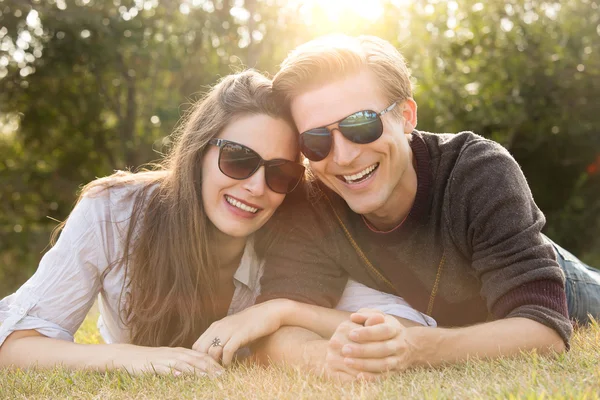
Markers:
point(385, 344)
point(335, 365)
point(372, 344)
point(378, 343)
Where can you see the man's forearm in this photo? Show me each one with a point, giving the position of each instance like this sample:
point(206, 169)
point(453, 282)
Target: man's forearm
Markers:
point(416, 346)
point(505, 337)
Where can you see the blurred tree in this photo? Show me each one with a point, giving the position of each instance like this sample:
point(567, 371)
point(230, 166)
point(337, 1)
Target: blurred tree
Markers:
point(94, 86)
point(524, 74)
point(89, 86)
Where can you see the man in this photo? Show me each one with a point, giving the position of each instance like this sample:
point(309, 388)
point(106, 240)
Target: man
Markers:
point(445, 221)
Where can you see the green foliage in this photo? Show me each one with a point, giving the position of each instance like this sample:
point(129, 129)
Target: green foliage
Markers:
point(98, 85)
point(524, 74)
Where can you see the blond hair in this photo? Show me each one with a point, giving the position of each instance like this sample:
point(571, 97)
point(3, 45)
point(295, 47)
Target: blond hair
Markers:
point(335, 57)
point(169, 252)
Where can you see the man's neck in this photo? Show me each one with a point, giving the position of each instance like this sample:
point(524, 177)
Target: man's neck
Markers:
point(398, 205)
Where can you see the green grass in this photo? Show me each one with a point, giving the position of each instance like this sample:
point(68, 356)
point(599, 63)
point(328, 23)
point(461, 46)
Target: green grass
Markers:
point(568, 376)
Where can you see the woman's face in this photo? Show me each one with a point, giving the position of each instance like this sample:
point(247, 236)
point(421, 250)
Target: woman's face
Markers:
point(238, 208)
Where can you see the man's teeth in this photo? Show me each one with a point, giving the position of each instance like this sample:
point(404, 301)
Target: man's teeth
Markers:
point(361, 174)
point(241, 205)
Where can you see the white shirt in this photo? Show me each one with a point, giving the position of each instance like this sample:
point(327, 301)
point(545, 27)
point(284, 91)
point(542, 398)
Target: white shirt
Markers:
point(56, 299)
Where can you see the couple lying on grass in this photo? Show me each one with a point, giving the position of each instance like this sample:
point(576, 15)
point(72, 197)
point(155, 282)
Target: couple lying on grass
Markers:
point(396, 248)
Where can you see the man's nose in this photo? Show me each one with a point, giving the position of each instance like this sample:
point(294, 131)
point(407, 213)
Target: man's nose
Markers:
point(344, 151)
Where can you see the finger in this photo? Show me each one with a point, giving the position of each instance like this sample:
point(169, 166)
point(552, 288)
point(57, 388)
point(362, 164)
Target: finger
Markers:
point(369, 311)
point(203, 343)
point(179, 367)
point(335, 365)
point(212, 347)
point(203, 368)
point(216, 352)
point(367, 319)
point(359, 318)
point(373, 365)
point(337, 342)
point(158, 370)
point(375, 333)
point(205, 340)
point(345, 328)
point(229, 351)
point(371, 349)
point(374, 319)
point(200, 345)
point(202, 361)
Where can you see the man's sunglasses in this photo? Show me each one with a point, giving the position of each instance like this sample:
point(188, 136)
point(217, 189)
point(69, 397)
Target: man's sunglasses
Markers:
point(241, 162)
point(361, 127)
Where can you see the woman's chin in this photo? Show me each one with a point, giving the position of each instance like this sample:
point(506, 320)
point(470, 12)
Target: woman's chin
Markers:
point(237, 230)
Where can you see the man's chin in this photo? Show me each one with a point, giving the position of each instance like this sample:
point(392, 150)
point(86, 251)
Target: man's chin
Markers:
point(359, 203)
point(362, 207)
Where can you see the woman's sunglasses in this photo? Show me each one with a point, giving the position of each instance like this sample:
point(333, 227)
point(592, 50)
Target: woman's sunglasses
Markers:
point(241, 162)
point(361, 127)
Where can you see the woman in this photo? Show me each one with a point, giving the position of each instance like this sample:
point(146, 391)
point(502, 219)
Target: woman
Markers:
point(170, 251)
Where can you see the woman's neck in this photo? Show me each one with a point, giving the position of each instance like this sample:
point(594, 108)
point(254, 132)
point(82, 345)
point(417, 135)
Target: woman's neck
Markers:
point(229, 250)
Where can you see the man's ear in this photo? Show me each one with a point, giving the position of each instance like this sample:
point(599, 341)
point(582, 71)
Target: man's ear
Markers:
point(409, 112)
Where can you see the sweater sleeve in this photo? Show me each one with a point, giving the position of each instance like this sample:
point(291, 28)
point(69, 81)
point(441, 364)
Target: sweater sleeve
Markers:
point(301, 265)
point(496, 223)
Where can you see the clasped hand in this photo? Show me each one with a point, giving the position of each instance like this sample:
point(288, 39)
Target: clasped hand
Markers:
point(370, 344)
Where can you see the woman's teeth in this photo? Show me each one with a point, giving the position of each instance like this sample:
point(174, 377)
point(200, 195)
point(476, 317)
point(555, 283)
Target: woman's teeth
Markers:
point(240, 205)
point(362, 174)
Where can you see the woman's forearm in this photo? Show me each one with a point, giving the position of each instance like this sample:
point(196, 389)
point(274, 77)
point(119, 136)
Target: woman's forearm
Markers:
point(323, 321)
point(320, 320)
point(28, 348)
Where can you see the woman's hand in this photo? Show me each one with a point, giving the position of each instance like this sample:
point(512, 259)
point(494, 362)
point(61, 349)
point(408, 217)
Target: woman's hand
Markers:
point(162, 360)
point(224, 337)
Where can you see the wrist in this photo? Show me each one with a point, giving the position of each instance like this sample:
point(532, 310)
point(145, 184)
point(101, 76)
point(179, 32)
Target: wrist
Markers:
point(426, 345)
point(283, 311)
point(103, 357)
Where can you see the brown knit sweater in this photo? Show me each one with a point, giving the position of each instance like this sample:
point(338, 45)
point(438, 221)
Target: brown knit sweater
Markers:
point(469, 251)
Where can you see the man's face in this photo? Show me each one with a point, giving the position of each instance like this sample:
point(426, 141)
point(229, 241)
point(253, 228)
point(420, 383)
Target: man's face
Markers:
point(370, 177)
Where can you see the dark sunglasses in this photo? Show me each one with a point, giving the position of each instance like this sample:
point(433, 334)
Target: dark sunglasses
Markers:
point(241, 162)
point(361, 127)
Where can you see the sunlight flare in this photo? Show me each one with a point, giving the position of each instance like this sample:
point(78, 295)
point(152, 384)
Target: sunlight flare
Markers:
point(337, 10)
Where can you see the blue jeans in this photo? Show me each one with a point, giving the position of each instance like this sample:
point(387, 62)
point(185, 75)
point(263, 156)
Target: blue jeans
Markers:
point(582, 286)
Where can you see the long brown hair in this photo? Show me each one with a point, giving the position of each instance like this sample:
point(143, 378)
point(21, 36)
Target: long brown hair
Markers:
point(171, 268)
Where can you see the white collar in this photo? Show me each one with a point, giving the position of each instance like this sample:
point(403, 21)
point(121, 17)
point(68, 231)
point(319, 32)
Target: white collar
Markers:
point(248, 271)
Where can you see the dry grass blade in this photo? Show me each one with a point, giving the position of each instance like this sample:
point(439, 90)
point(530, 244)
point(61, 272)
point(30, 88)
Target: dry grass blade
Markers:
point(575, 375)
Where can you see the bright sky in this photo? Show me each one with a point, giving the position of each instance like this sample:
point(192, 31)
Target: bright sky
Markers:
point(334, 9)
